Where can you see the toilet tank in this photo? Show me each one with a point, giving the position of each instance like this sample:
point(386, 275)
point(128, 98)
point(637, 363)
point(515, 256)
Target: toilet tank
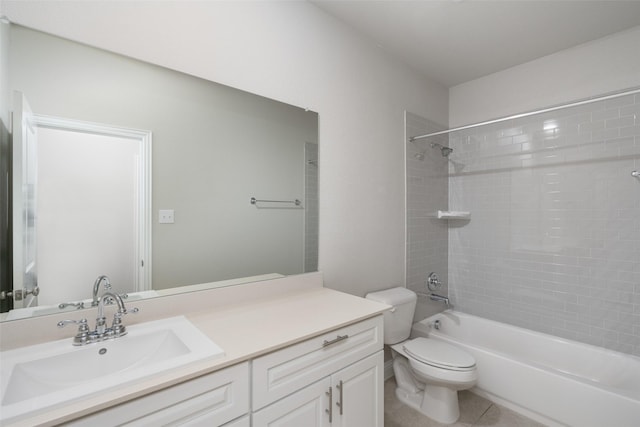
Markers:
point(398, 320)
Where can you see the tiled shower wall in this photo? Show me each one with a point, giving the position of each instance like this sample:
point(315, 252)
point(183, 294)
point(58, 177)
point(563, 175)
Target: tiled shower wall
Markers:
point(427, 192)
point(553, 243)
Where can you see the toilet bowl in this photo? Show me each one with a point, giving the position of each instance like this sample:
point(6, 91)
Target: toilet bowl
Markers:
point(428, 372)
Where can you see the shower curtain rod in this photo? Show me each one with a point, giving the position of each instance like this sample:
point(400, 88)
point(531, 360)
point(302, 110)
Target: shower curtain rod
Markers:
point(527, 114)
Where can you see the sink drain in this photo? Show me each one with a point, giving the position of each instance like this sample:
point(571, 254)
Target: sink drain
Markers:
point(102, 351)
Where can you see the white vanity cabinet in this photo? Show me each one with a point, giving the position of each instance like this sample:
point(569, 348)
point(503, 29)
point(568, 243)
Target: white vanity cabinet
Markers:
point(210, 400)
point(332, 380)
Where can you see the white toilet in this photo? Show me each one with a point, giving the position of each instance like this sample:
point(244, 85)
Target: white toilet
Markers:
point(429, 372)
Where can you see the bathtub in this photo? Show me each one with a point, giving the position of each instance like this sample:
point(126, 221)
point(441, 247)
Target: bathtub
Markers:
point(549, 379)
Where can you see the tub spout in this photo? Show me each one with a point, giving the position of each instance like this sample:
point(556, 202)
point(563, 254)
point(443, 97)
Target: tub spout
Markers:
point(436, 297)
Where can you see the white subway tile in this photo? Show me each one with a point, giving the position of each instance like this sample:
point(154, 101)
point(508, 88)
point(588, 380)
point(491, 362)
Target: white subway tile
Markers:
point(548, 239)
point(549, 233)
point(620, 101)
point(630, 131)
point(620, 122)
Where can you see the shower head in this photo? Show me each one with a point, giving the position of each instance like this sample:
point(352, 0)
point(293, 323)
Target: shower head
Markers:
point(444, 150)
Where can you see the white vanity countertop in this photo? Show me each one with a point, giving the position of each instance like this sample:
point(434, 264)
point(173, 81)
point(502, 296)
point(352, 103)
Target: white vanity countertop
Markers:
point(244, 331)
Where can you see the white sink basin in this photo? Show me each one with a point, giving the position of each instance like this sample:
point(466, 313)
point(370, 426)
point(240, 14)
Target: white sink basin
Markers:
point(38, 377)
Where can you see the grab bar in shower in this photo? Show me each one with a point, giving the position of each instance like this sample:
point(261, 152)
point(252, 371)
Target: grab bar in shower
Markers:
point(295, 202)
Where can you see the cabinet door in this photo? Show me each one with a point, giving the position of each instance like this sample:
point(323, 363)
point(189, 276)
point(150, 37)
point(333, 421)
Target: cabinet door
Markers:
point(358, 393)
point(307, 407)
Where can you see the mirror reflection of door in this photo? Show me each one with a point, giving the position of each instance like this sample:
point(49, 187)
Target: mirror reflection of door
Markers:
point(89, 217)
point(86, 213)
point(24, 174)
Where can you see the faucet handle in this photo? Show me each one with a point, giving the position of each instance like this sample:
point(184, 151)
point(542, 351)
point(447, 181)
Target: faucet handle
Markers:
point(117, 316)
point(82, 323)
point(116, 326)
point(83, 334)
point(433, 282)
point(77, 305)
point(133, 310)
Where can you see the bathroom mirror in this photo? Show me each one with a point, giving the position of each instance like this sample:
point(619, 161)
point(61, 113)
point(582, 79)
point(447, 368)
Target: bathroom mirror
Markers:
point(213, 149)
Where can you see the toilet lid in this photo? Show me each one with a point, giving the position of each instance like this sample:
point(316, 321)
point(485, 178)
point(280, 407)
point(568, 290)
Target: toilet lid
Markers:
point(439, 353)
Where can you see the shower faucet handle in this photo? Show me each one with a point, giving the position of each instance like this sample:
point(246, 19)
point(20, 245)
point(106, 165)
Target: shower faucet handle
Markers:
point(433, 282)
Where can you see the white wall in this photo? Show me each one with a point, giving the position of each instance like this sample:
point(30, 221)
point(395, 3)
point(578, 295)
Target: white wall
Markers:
point(295, 53)
point(605, 65)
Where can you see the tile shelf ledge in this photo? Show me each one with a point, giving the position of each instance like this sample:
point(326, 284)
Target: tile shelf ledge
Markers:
point(452, 215)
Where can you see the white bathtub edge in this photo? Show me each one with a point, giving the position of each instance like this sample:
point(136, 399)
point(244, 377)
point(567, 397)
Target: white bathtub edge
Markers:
point(496, 369)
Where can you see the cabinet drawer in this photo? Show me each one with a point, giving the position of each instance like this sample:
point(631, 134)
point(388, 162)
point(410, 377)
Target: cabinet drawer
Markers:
point(282, 372)
point(210, 400)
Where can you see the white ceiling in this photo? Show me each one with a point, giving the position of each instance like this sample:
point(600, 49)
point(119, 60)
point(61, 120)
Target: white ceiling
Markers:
point(454, 41)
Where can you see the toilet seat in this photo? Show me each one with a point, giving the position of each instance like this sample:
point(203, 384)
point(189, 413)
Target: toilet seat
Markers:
point(439, 354)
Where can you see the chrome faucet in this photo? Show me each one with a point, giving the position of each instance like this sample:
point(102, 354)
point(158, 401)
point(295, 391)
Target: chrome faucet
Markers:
point(102, 332)
point(436, 297)
point(101, 320)
point(96, 288)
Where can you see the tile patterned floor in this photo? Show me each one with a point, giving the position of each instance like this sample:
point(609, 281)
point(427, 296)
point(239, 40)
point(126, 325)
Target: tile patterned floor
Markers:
point(474, 411)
